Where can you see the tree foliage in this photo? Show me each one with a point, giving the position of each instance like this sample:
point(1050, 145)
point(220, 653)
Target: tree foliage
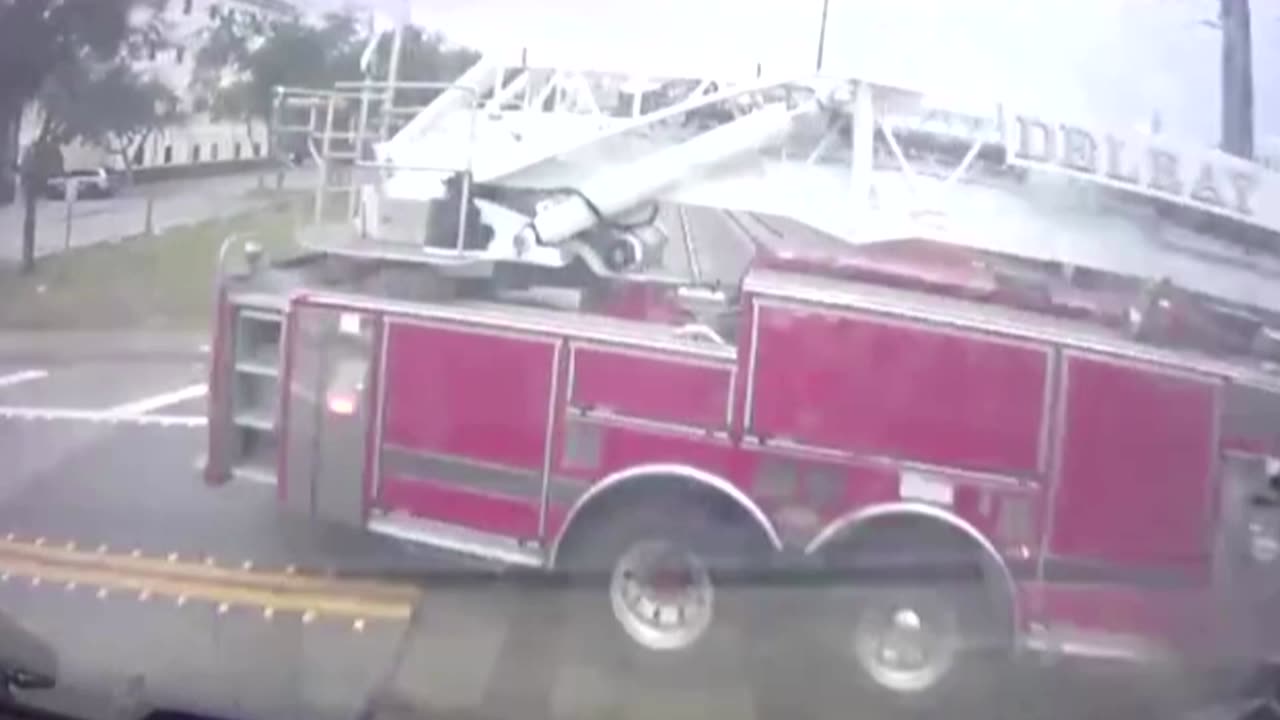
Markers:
point(38, 36)
point(242, 62)
point(37, 39)
point(100, 98)
point(424, 57)
point(110, 105)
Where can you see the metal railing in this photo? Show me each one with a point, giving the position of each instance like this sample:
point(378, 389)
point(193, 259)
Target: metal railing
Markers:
point(343, 125)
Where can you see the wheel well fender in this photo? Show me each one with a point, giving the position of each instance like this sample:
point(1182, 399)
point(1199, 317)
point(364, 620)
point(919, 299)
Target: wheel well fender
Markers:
point(673, 483)
point(864, 522)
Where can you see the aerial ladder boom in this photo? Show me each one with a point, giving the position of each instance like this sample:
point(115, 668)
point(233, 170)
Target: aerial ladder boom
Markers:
point(458, 96)
point(548, 168)
point(619, 189)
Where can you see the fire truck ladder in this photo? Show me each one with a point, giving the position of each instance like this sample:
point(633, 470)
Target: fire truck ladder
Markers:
point(550, 167)
point(453, 186)
point(339, 129)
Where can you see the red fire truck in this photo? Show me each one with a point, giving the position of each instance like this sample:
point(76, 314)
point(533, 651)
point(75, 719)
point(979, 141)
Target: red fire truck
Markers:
point(1038, 354)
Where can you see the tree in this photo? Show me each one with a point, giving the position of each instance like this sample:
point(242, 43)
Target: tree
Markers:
point(36, 38)
point(424, 57)
point(110, 105)
point(242, 61)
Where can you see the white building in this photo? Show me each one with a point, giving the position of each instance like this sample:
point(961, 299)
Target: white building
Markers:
point(200, 140)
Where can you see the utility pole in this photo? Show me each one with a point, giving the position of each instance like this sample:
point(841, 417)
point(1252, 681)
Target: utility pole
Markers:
point(822, 35)
point(1237, 78)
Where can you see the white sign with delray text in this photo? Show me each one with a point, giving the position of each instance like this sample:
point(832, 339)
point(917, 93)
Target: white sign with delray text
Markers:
point(1204, 178)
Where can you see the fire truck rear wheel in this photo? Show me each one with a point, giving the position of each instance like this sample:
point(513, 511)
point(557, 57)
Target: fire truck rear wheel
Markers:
point(649, 584)
point(906, 642)
point(919, 643)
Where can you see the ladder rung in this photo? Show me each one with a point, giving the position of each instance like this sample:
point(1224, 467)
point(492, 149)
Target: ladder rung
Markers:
point(255, 367)
point(255, 420)
point(352, 137)
point(266, 318)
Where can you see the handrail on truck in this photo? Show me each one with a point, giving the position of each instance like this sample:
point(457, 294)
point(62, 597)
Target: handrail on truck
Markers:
point(367, 92)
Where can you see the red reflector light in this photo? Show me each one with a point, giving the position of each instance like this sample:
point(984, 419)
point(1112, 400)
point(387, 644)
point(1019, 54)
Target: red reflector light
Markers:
point(342, 405)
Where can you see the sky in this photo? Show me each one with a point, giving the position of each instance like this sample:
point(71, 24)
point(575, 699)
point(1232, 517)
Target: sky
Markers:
point(1115, 63)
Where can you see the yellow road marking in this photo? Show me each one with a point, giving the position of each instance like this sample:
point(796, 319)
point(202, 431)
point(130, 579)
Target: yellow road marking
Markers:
point(205, 571)
point(311, 604)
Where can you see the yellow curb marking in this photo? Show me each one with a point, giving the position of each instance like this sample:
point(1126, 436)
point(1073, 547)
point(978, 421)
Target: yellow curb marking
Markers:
point(311, 604)
point(226, 587)
point(171, 566)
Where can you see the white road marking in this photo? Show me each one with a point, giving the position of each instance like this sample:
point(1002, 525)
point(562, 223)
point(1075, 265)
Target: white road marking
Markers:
point(23, 376)
point(8, 412)
point(156, 402)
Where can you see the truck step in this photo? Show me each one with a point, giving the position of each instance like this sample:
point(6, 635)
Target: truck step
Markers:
point(458, 539)
point(249, 473)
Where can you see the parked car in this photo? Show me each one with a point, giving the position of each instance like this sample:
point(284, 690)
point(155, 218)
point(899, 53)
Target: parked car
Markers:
point(95, 183)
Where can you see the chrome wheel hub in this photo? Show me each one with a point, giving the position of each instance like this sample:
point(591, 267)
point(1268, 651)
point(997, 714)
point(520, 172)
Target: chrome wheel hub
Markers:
point(905, 648)
point(661, 595)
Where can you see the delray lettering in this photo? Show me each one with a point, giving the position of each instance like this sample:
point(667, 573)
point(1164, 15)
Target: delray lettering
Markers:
point(1154, 170)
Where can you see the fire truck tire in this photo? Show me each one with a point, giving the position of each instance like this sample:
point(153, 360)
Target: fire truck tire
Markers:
point(918, 643)
point(643, 590)
point(935, 666)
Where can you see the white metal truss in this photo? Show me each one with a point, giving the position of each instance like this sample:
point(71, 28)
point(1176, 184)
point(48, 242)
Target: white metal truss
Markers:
point(861, 161)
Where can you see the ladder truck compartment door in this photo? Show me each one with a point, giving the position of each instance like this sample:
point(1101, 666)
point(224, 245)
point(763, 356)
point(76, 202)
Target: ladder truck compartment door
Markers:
point(1131, 529)
point(1136, 473)
point(330, 405)
point(466, 427)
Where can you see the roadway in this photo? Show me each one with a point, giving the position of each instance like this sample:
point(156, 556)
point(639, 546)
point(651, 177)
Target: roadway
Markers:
point(98, 490)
